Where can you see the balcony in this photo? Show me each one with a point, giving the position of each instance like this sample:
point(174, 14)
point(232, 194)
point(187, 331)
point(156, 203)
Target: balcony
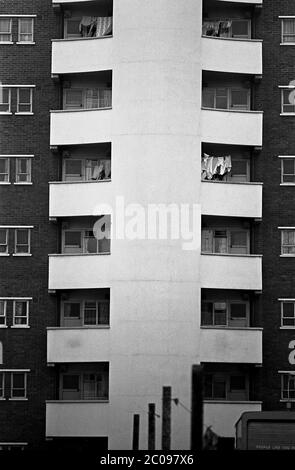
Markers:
point(231, 345)
point(232, 127)
point(232, 55)
point(94, 54)
point(228, 271)
point(63, 201)
point(231, 199)
point(83, 126)
point(80, 419)
point(78, 344)
point(222, 415)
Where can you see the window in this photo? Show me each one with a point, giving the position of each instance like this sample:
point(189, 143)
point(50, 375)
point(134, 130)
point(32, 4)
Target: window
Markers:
point(2, 378)
point(4, 170)
point(18, 385)
point(86, 170)
point(96, 313)
point(3, 241)
point(226, 98)
point(288, 101)
point(23, 170)
point(85, 241)
point(26, 30)
point(5, 100)
point(222, 386)
point(3, 307)
point(22, 241)
point(72, 241)
point(232, 313)
point(288, 242)
point(232, 28)
point(24, 100)
point(225, 241)
point(20, 313)
point(88, 98)
point(288, 313)
point(73, 169)
point(72, 28)
point(85, 385)
point(240, 171)
point(288, 30)
point(5, 30)
point(288, 387)
point(288, 170)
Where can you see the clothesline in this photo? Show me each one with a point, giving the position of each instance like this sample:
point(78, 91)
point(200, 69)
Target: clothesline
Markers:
point(215, 167)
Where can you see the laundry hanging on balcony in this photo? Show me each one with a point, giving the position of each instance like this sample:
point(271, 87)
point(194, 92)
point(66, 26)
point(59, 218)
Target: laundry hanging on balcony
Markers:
point(215, 168)
point(216, 28)
point(96, 26)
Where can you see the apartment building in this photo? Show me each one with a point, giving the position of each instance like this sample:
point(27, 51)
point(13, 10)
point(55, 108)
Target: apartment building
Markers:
point(106, 108)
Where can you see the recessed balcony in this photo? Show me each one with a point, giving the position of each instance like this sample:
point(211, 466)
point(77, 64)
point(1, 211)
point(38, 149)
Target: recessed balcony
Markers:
point(223, 415)
point(231, 271)
point(231, 199)
point(232, 55)
point(232, 127)
point(231, 345)
point(78, 344)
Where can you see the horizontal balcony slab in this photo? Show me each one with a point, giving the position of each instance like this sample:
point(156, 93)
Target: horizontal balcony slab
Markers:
point(232, 55)
point(231, 199)
point(78, 345)
point(231, 272)
point(250, 2)
point(222, 415)
point(231, 345)
point(63, 201)
point(232, 127)
point(80, 127)
point(77, 419)
point(94, 54)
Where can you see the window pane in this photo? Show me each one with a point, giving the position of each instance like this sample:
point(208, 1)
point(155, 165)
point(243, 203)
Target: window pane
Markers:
point(71, 382)
point(25, 25)
point(4, 25)
point(288, 166)
point(24, 95)
point(3, 236)
point(22, 237)
point(18, 380)
point(221, 98)
point(4, 100)
point(238, 311)
point(219, 388)
point(239, 167)
point(288, 309)
point(73, 27)
point(240, 28)
point(73, 239)
point(207, 313)
point(288, 30)
point(90, 313)
point(220, 313)
point(288, 178)
point(73, 99)
point(208, 386)
point(104, 313)
point(72, 310)
point(238, 238)
point(2, 307)
point(239, 99)
point(73, 167)
point(237, 382)
point(208, 98)
point(20, 308)
point(3, 165)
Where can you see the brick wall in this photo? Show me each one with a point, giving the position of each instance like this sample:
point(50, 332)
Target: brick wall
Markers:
point(28, 205)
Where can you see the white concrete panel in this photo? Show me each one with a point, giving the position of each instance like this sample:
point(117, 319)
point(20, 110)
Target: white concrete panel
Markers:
point(231, 272)
point(231, 199)
point(231, 345)
point(232, 55)
point(232, 127)
point(94, 54)
point(222, 416)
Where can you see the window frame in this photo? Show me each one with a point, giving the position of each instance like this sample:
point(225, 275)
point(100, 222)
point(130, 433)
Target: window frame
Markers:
point(29, 170)
point(289, 43)
point(228, 96)
point(16, 253)
point(19, 41)
point(229, 322)
point(9, 99)
point(283, 160)
point(81, 318)
point(3, 325)
point(228, 391)
point(284, 317)
point(4, 253)
point(284, 89)
point(8, 170)
point(2, 385)
point(20, 325)
point(12, 388)
point(24, 104)
point(284, 389)
point(287, 245)
point(212, 239)
point(9, 33)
